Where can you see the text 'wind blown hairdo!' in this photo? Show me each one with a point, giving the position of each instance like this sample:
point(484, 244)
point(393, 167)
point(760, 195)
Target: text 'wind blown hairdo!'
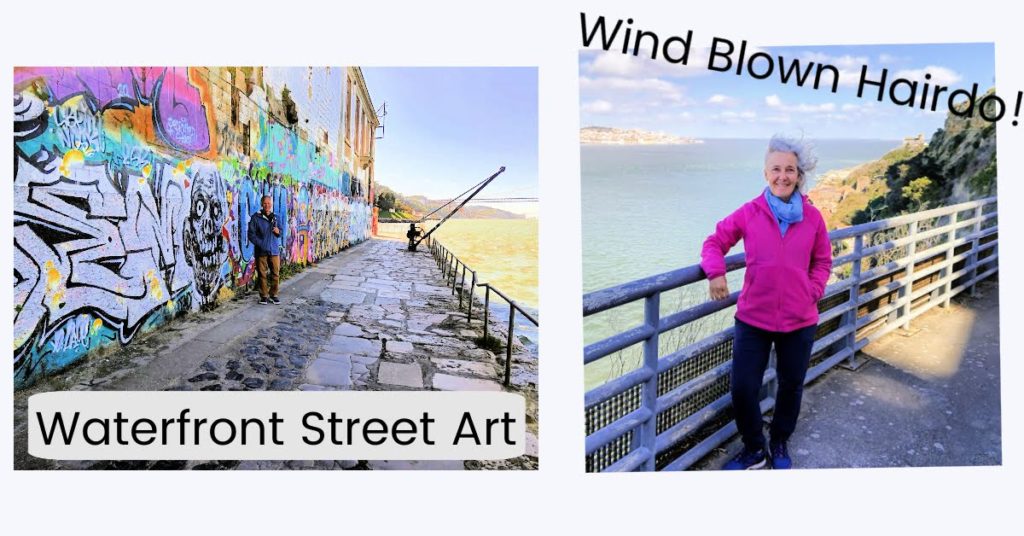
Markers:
point(806, 160)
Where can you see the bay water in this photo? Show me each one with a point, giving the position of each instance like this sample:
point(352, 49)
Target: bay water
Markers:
point(503, 253)
point(647, 210)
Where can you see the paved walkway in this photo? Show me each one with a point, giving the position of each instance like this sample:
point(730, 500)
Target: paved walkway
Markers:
point(927, 397)
point(374, 317)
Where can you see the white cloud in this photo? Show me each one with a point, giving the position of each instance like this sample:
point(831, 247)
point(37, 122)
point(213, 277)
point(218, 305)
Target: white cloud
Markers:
point(774, 102)
point(609, 64)
point(702, 56)
point(732, 117)
point(778, 118)
point(814, 108)
point(845, 62)
point(862, 111)
point(848, 66)
point(816, 57)
point(939, 75)
point(849, 62)
point(720, 99)
point(634, 87)
point(597, 107)
point(614, 63)
point(630, 84)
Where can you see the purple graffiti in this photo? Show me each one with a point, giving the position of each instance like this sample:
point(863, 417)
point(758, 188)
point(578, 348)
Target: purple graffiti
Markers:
point(179, 114)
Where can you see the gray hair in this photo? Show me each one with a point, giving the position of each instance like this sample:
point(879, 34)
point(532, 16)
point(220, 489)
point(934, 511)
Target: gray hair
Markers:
point(806, 160)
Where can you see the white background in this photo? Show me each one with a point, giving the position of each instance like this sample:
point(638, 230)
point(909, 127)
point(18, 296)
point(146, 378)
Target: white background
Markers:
point(559, 497)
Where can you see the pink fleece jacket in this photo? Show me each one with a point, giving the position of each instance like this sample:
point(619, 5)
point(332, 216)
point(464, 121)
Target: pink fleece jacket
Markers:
point(786, 276)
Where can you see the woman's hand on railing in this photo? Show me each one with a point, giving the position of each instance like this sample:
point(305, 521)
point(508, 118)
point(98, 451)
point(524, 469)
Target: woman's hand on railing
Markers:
point(718, 289)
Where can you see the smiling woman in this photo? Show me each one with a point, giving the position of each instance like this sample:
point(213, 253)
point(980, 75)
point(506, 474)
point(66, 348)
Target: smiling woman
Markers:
point(789, 258)
point(782, 174)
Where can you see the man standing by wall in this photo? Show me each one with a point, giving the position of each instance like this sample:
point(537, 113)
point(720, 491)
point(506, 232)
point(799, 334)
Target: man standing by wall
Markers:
point(263, 233)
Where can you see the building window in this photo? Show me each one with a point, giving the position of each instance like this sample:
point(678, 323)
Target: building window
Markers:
point(245, 139)
point(355, 129)
point(235, 97)
point(348, 109)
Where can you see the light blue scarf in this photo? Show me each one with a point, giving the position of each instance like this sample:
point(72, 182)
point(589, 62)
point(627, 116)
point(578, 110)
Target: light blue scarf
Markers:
point(785, 213)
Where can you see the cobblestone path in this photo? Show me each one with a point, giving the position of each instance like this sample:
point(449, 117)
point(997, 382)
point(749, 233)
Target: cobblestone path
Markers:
point(374, 317)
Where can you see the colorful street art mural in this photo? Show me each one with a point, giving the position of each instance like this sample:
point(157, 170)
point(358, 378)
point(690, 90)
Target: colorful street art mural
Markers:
point(132, 196)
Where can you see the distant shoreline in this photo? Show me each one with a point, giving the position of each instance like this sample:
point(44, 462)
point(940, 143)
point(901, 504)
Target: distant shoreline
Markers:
point(619, 136)
point(435, 220)
point(765, 139)
point(634, 144)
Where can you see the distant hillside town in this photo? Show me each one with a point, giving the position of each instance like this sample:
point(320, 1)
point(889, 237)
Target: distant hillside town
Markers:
point(619, 136)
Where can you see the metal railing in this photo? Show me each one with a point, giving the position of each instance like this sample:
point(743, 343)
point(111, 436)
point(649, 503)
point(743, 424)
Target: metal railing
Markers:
point(450, 266)
point(671, 410)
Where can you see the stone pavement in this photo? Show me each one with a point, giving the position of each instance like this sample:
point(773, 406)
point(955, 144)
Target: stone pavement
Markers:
point(374, 317)
point(927, 397)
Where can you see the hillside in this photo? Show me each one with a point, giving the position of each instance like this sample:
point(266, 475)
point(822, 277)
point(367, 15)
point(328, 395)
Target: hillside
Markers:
point(958, 164)
point(841, 194)
point(415, 207)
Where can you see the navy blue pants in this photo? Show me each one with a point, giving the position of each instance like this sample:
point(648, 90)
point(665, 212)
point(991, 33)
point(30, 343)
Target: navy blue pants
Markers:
point(750, 350)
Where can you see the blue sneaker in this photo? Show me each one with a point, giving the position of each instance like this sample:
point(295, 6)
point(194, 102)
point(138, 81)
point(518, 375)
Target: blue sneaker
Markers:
point(748, 459)
point(780, 456)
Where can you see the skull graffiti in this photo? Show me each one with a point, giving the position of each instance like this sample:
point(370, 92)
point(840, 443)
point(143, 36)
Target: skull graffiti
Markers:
point(205, 245)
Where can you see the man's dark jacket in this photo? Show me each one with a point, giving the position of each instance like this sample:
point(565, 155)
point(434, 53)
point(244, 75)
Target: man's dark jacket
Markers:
point(261, 234)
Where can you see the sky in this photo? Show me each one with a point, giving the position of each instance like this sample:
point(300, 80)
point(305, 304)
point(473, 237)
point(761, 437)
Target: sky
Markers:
point(448, 128)
point(619, 90)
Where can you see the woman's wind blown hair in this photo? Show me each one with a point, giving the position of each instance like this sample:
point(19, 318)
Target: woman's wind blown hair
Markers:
point(806, 160)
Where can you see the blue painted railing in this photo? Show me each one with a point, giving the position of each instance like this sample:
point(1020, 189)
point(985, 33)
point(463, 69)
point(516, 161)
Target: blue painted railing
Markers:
point(671, 410)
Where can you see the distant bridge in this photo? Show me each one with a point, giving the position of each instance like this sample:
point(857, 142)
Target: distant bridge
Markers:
point(500, 200)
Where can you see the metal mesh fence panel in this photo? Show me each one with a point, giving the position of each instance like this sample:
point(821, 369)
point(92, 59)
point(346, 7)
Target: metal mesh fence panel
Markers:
point(605, 413)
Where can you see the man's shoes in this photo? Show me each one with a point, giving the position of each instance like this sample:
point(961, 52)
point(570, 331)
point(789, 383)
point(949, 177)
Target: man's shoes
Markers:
point(748, 459)
point(275, 300)
point(264, 301)
point(780, 456)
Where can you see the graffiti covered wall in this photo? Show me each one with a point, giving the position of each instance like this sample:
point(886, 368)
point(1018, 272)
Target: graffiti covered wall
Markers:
point(133, 190)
